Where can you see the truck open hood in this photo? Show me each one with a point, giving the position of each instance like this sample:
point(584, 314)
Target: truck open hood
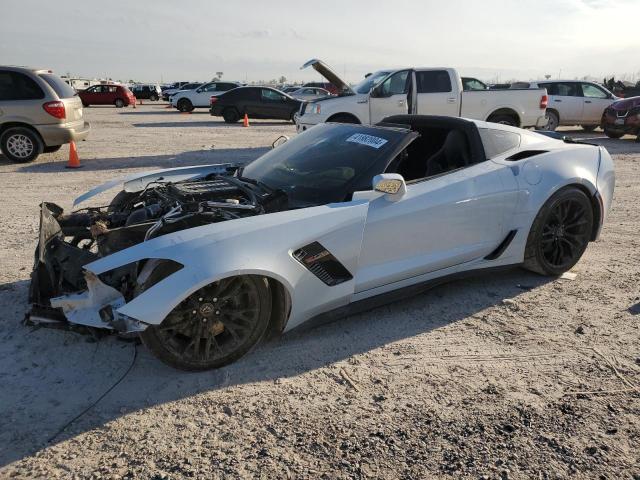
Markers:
point(324, 70)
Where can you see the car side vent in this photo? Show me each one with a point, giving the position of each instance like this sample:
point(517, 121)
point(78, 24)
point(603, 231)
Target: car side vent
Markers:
point(525, 154)
point(319, 261)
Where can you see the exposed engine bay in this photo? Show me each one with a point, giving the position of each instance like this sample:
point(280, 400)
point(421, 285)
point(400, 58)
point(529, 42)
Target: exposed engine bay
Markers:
point(70, 241)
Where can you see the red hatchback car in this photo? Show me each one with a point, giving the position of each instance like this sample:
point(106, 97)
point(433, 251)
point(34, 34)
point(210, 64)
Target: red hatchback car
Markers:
point(107, 94)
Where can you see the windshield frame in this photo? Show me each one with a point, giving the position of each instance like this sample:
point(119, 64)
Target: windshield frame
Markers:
point(373, 162)
point(373, 80)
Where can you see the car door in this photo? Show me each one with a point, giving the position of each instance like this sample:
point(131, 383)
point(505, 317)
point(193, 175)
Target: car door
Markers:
point(566, 98)
point(596, 100)
point(440, 222)
point(202, 96)
point(391, 97)
point(272, 105)
point(436, 94)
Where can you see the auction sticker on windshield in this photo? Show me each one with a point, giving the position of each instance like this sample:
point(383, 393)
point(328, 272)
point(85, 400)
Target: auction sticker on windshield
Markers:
point(369, 140)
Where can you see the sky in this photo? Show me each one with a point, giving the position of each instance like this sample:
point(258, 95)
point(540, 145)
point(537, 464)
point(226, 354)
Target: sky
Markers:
point(253, 40)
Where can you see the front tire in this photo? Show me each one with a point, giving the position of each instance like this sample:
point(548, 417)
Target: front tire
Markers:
point(185, 105)
point(560, 233)
point(553, 121)
point(154, 98)
point(214, 326)
point(613, 134)
point(21, 145)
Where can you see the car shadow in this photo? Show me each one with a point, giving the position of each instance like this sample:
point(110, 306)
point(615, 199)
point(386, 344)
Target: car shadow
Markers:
point(213, 123)
point(167, 111)
point(49, 376)
point(195, 157)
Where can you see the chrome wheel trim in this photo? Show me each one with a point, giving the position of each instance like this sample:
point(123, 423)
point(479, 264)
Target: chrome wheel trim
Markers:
point(20, 146)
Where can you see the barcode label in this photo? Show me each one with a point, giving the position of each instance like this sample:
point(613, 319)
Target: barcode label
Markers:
point(368, 140)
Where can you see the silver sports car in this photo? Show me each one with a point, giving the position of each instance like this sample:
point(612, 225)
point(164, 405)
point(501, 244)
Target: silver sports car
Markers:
point(202, 262)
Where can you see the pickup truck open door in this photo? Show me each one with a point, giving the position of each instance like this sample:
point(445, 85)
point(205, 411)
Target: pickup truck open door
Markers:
point(392, 97)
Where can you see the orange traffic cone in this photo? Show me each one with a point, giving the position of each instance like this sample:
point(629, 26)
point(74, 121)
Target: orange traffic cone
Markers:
point(74, 161)
point(245, 122)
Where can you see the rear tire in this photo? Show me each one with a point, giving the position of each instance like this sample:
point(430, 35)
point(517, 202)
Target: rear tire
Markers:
point(119, 103)
point(560, 233)
point(231, 316)
point(51, 149)
point(21, 144)
point(589, 128)
point(612, 134)
point(153, 98)
point(230, 115)
point(503, 120)
point(185, 105)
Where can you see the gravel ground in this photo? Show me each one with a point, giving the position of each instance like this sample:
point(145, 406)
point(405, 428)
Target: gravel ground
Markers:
point(505, 376)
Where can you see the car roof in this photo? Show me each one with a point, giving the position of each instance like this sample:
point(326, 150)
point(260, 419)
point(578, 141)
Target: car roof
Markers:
point(19, 68)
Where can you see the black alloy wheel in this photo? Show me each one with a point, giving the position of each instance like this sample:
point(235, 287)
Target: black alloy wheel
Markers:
point(214, 326)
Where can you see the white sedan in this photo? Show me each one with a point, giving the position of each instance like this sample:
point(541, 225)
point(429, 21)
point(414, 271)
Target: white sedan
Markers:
point(202, 262)
point(309, 93)
point(187, 100)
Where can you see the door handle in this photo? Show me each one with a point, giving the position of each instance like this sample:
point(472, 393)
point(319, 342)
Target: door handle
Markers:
point(587, 101)
point(451, 100)
point(556, 100)
point(401, 103)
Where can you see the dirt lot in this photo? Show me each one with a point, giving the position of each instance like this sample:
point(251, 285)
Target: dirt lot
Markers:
point(476, 379)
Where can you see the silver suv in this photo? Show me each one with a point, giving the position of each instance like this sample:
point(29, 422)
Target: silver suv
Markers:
point(39, 113)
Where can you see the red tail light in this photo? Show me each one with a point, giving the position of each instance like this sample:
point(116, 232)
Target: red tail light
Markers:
point(55, 109)
point(544, 101)
point(213, 100)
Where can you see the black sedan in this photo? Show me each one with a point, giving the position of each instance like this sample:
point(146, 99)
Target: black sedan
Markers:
point(256, 102)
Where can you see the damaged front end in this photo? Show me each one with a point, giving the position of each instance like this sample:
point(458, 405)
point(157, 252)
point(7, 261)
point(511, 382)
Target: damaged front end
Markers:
point(64, 293)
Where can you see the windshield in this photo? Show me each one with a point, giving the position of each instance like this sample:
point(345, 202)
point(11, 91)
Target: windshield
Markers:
point(326, 163)
point(371, 81)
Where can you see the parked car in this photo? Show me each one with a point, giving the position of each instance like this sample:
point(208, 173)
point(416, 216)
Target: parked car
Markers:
point(167, 93)
point(469, 83)
point(174, 85)
point(107, 94)
point(39, 113)
point(573, 102)
point(288, 90)
point(433, 91)
point(202, 262)
point(187, 100)
point(622, 117)
point(332, 88)
point(147, 92)
point(256, 102)
point(309, 93)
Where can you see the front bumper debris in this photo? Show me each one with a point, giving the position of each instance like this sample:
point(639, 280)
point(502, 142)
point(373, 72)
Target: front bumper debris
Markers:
point(63, 292)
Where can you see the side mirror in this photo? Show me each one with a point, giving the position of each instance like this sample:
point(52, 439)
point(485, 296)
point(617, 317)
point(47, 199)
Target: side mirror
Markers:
point(281, 140)
point(391, 184)
point(375, 92)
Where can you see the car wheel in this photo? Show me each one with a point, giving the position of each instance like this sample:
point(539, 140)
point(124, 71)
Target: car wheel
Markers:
point(230, 115)
point(153, 98)
point(344, 119)
point(589, 128)
point(21, 144)
point(214, 326)
point(85, 105)
point(553, 121)
point(51, 149)
point(560, 233)
point(503, 120)
point(613, 134)
point(293, 116)
point(119, 103)
point(185, 105)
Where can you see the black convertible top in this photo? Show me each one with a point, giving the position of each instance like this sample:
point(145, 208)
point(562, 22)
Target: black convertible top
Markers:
point(420, 122)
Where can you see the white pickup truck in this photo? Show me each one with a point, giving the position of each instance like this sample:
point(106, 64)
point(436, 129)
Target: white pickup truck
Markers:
point(426, 91)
